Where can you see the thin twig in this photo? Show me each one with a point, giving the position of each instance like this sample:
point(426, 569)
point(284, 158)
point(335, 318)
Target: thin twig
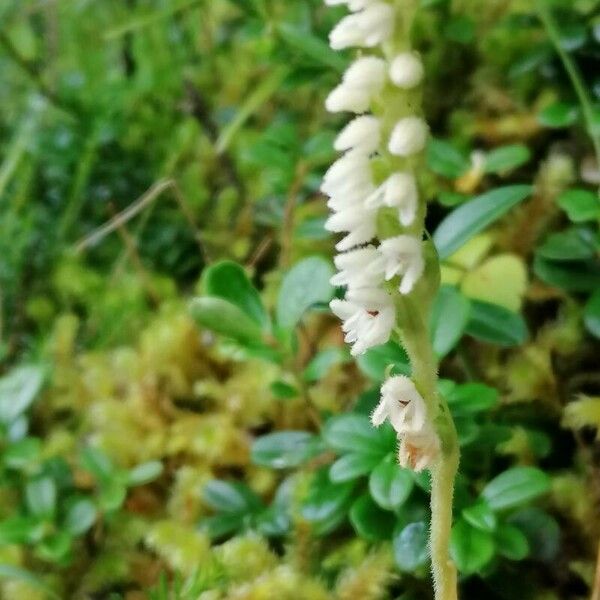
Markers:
point(574, 75)
point(135, 209)
point(136, 261)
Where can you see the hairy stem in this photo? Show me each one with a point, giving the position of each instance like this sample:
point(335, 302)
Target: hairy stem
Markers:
point(416, 340)
point(442, 491)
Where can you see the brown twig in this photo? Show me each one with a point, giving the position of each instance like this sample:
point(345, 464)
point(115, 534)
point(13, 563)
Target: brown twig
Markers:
point(134, 209)
point(262, 248)
point(134, 256)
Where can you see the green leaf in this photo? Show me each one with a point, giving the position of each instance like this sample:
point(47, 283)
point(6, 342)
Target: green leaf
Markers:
point(283, 391)
point(225, 318)
point(369, 521)
point(374, 363)
point(511, 542)
point(30, 579)
point(449, 318)
point(304, 42)
point(572, 244)
point(541, 530)
point(80, 516)
point(18, 390)
point(411, 546)
point(467, 429)
point(515, 487)
point(474, 216)
point(41, 497)
point(97, 463)
point(591, 314)
point(22, 453)
point(284, 449)
point(390, 485)
point(144, 473)
point(495, 324)
point(471, 398)
point(559, 115)
point(506, 158)
point(580, 205)
point(21, 530)
point(352, 465)
point(222, 524)
point(230, 497)
point(112, 495)
point(322, 362)
point(452, 199)
point(575, 276)
point(274, 522)
point(327, 501)
point(471, 548)
point(305, 284)
point(55, 548)
point(480, 516)
point(444, 159)
point(460, 29)
point(355, 433)
point(228, 280)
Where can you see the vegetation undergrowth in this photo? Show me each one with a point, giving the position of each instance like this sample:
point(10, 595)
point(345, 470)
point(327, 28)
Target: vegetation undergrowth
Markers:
point(179, 415)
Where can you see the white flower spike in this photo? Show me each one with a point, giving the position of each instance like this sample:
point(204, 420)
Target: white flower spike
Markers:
point(408, 137)
point(398, 190)
point(367, 28)
point(369, 318)
point(402, 404)
point(359, 268)
point(406, 70)
point(403, 256)
point(361, 83)
point(357, 221)
point(362, 134)
point(419, 451)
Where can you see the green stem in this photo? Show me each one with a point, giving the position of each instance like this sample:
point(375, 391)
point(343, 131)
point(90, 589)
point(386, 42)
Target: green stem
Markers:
point(442, 492)
point(416, 340)
point(573, 73)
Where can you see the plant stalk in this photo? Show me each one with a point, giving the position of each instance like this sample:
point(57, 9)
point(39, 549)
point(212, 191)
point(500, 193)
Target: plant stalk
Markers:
point(416, 340)
point(577, 82)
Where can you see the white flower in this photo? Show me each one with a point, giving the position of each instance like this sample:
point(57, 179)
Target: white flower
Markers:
point(403, 256)
point(361, 82)
point(419, 451)
point(402, 404)
point(366, 28)
point(362, 267)
point(344, 98)
point(406, 70)
point(398, 190)
point(352, 167)
point(348, 181)
point(369, 317)
point(357, 221)
point(409, 136)
point(366, 72)
point(362, 134)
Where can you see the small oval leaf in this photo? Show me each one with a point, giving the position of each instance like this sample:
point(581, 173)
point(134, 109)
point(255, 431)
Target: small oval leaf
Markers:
point(474, 216)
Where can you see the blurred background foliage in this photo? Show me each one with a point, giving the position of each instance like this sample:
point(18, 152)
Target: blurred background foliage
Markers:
point(145, 454)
